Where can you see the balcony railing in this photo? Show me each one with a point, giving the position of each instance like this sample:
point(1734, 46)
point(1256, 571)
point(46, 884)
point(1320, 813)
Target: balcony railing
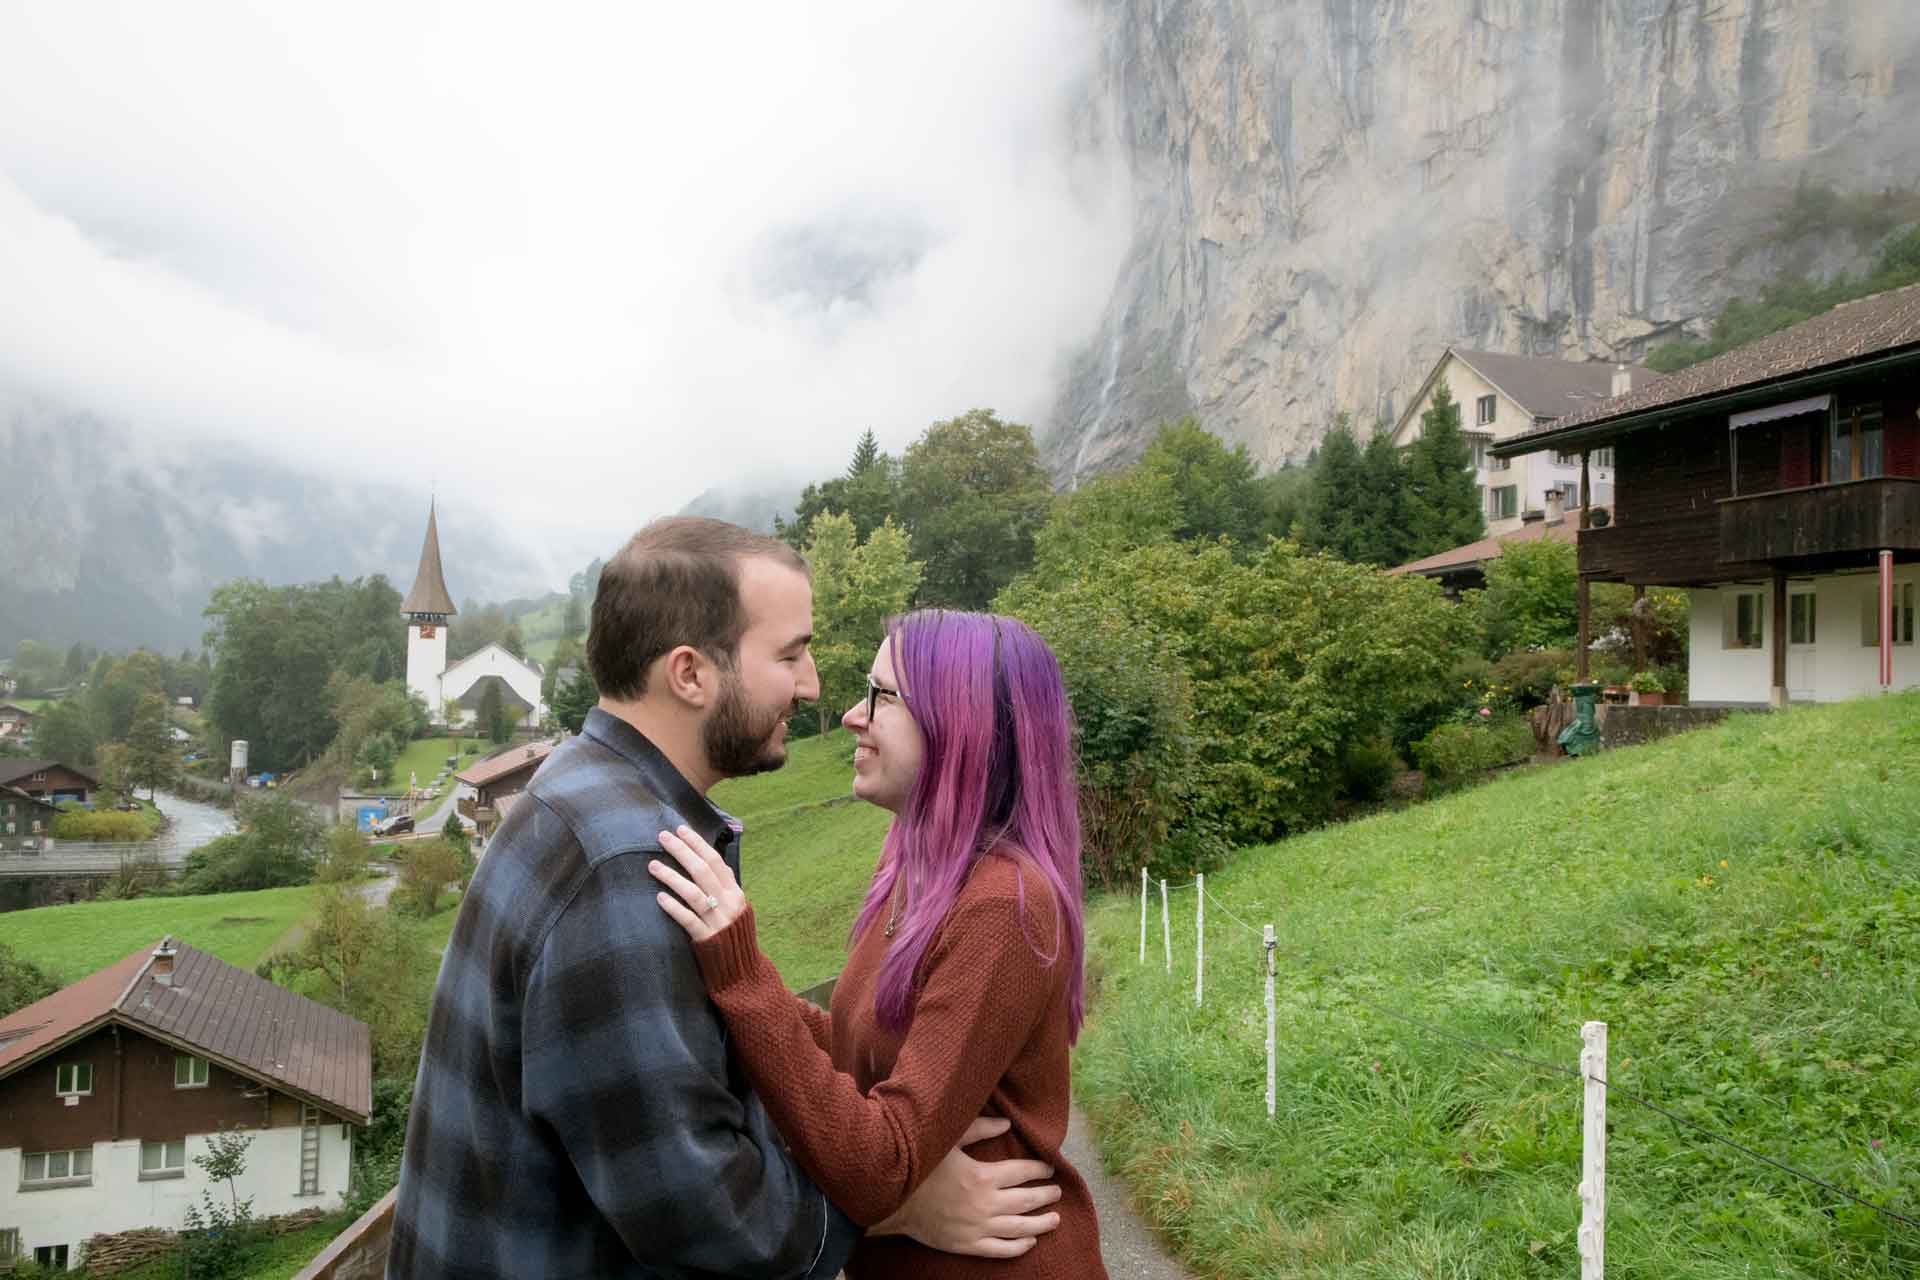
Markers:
point(1798, 524)
point(359, 1252)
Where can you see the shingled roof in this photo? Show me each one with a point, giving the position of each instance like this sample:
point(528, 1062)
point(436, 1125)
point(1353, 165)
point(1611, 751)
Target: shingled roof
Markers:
point(11, 771)
point(1547, 386)
point(1872, 326)
point(428, 595)
point(208, 1007)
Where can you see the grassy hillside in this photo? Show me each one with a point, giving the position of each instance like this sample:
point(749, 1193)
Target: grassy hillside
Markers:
point(1741, 905)
point(69, 942)
point(808, 852)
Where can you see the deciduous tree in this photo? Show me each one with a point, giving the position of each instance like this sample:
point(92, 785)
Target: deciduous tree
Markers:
point(972, 496)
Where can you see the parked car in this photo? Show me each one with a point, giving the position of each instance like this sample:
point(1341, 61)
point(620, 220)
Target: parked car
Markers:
point(392, 826)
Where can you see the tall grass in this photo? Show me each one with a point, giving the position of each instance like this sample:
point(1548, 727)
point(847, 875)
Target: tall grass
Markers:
point(1741, 905)
point(70, 942)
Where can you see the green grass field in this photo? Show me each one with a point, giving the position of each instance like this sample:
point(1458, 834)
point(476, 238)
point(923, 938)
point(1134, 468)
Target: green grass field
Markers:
point(425, 757)
point(1740, 904)
point(540, 631)
point(29, 704)
point(807, 854)
point(69, 942)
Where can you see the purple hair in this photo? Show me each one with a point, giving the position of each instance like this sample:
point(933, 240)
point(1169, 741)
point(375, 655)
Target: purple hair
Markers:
point(997, 773)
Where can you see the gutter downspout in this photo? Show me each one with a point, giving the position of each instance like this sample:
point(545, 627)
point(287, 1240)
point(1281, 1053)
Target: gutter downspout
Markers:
point(119, 1078)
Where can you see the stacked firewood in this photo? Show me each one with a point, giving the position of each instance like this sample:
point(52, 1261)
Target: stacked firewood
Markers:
point(110, 1255)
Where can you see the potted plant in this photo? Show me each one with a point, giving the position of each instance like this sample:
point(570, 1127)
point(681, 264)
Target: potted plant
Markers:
point(1648, 690)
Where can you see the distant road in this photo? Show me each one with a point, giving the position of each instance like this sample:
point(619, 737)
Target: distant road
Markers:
point(192, 824)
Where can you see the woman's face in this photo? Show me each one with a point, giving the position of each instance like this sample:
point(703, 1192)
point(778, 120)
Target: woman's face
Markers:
point(887, 743)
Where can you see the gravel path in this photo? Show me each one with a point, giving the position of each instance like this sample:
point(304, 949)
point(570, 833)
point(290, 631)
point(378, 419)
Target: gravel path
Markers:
point(1129, 1249)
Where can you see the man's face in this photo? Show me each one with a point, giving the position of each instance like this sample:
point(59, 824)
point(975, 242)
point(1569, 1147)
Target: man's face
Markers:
point(773, 672)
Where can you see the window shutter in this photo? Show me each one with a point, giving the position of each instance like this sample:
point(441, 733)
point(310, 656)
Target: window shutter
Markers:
point(1902, 439)
point(1796, 458)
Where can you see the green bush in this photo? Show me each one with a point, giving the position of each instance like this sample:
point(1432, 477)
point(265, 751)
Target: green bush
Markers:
point(75, 823)
point(1368, 768)
point(1456, 753)
point(1528, 675)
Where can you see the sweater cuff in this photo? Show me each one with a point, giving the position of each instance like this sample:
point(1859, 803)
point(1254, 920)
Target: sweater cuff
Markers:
point(731, 954)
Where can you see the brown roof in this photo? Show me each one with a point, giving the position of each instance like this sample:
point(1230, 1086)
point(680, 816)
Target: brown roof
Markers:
point(225, 1014)
point(12, 771)
point(1547, 386)
point(429, 591)
point(8, 706)
point(498, 766)
point(1486, 549)
point(19, 796)
point(1883, 322)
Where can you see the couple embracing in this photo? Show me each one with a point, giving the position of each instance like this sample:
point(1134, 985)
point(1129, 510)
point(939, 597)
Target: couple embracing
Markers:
point(616, 1082)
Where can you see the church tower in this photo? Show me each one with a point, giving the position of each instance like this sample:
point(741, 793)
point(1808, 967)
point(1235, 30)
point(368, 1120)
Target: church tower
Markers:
point(427, 609)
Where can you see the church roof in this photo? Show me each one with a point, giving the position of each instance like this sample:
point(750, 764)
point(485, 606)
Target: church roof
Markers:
point(429, 591)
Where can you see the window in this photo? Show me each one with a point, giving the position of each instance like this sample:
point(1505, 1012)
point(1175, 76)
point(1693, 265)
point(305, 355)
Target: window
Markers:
point(1801, 618)
point(164, 1159)
point(1503, 502)
point(189, 1073)
point(1484, 410)
point(57, 1168)
point(1595, 457)
point(1856, 445)
point(52, 1257)
point(1478, 444)
point(1903, 593)
point(73, 1078)
point(1743, 624)
point(9, 1244)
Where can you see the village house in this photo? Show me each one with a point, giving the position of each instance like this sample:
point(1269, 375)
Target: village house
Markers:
point(1779, 486)
point(1464, 568)
point(26, 822)
point(110, 1087)
point(429, 609)
point(1503, 396)
point(497, 783)
point(48, 780)
point(16, 723)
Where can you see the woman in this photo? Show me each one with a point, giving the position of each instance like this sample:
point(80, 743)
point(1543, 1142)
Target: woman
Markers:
point(962, 991)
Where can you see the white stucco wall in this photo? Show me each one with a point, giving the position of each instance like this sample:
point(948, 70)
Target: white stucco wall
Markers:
point(493, 660)
point(1533, 474)
point(118, 1199)
point(426, 659)
point(1835, 667)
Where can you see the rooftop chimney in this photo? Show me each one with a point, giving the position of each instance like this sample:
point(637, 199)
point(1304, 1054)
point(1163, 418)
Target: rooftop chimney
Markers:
point(1556, 506)
point(1532, 515)
point(1622, 380)
point(162, 968)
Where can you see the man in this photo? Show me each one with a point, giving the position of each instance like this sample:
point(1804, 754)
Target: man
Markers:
point(577, 1113)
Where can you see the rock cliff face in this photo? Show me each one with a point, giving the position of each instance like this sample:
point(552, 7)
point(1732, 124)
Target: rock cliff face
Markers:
point(1328, 192)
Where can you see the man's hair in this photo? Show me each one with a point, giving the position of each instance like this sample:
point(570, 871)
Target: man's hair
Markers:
point(676, 582)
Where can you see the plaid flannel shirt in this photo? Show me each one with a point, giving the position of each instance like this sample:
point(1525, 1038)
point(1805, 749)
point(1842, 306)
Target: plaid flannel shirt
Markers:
point(577, 1112)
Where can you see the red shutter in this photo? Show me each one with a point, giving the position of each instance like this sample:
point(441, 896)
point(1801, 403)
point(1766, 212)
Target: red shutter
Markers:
point(1902, 439)
point(1796, 457)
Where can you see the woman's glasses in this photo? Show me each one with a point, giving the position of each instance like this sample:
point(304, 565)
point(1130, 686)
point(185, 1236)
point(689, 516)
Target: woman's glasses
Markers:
point(877, 691)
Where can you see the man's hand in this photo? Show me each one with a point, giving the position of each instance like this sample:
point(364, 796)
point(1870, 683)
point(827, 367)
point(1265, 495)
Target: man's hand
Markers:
point(968, 1207)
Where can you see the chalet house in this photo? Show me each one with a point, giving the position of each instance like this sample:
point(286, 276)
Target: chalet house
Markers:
point(16, 723)
point(1464, 568)
point(1779, 485)
point(48, 780)
point(496, 782)
point(110, 1087)
point(26, 822)
point(1503, 396)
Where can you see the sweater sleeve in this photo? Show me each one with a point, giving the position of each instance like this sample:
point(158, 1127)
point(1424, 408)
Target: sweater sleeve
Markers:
point(984, 992)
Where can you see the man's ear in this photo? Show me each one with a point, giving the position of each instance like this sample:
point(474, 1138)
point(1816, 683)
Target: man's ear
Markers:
point(688, 676)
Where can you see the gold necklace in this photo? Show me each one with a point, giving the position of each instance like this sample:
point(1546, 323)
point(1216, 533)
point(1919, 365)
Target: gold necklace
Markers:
point(893, 910)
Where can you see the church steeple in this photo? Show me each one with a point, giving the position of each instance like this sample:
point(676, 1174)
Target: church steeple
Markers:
point(428, 600)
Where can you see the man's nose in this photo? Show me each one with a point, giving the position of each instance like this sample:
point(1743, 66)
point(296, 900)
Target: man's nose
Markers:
point(807, 687)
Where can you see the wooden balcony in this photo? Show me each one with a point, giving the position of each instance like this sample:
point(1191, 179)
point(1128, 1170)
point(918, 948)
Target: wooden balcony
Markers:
point(1822, 520)
point(1671, 552)
point(359, 1252)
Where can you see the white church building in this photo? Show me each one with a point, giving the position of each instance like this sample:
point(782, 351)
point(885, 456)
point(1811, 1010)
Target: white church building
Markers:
point(429, 611)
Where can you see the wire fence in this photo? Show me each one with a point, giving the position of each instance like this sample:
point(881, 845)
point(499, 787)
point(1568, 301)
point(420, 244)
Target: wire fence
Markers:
point(1592, 1072)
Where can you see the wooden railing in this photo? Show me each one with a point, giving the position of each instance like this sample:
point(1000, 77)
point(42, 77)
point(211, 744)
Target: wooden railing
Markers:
point(1820, 520)
point(359, 1252)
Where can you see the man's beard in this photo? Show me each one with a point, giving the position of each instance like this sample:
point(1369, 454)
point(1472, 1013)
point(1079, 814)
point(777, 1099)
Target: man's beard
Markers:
point(738, 736)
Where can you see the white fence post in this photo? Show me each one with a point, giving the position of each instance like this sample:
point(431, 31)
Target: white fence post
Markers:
point(1143, 915)
point(1166, 930)
point(1200, 934)
point(1593, 1164)
point(1270, 946)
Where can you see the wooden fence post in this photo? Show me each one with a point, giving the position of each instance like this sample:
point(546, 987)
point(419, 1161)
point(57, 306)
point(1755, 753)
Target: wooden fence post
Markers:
point(1593, 1164)
point(1270, 946)
point(1143, 915)
point(1200, 934)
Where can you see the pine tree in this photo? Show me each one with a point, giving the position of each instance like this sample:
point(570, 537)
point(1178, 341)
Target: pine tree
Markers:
point(865, 455)
point(1443, 505)
point(1381, 521)
point(1334, 496)
point(149, 761)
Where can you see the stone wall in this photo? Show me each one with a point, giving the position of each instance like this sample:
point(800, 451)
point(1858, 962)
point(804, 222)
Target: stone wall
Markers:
point(1622, 725)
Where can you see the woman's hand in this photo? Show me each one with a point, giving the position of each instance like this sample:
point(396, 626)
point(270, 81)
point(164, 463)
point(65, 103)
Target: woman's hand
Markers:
point(706, 899)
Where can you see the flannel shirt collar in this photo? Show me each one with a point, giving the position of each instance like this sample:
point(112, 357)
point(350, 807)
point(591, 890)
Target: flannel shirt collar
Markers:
point(717, 827)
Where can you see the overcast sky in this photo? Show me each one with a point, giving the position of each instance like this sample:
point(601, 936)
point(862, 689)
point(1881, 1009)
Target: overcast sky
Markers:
point(570, 264)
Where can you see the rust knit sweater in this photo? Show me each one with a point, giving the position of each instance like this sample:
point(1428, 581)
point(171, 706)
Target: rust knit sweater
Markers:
point(869, 1113)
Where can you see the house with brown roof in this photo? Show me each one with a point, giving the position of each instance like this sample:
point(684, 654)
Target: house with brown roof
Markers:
point(48, 780)
point(1779, 485)
point(1502, 396)
point(1464, 568)
point(109, 1088)
point(16, 723)
point(26, 822)
point(490, 786)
